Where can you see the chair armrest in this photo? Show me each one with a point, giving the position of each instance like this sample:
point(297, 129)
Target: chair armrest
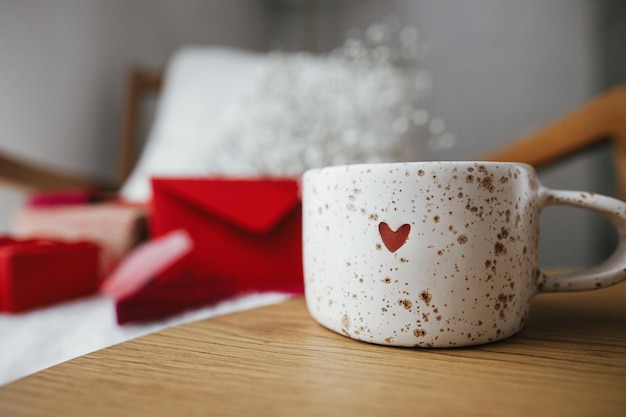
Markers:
point(601, 118)
point(28, 176)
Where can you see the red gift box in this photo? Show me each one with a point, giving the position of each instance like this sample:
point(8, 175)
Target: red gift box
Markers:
point(245, 231)
point(37, 272)
point(115, 228)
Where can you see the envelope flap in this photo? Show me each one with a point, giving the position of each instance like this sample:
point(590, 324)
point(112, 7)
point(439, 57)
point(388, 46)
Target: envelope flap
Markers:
point(255, 205)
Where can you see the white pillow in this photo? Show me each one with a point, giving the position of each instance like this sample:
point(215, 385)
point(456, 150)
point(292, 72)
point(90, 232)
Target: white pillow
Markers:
point(200, 83)
point(239, 113)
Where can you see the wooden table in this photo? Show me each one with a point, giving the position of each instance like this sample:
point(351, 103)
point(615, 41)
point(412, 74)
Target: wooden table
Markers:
point(569, 360)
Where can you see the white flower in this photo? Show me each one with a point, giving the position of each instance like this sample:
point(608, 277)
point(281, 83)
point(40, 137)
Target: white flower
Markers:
point(358, 103)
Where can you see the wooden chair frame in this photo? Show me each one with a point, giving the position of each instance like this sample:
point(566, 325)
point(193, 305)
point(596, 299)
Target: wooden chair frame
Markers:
point(140, 84)
point(603, 118)
point(21, 174)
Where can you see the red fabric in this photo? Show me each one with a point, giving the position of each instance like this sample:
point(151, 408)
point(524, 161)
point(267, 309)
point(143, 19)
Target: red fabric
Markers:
point(162, 298)
point(154, 281)
point(161, 259)
point(36, 272)
point(246, 232)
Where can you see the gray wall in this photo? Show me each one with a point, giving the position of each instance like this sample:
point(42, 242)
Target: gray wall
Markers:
point(62, 67)
point(504, 68)
point(501, 69)
point(63, 62)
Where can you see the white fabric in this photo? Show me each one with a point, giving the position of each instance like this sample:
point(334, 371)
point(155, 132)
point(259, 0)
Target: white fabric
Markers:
point(33, 341)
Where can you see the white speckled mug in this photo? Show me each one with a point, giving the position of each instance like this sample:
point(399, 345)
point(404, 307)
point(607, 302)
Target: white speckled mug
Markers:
point(435, 254)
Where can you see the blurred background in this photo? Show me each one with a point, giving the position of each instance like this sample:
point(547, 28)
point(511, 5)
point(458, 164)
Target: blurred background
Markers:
point(500, 69)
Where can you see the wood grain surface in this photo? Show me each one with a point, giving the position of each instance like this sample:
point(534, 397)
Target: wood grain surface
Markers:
point(570, 360)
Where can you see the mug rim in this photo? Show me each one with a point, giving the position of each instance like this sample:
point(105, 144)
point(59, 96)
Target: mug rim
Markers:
point(411, 164)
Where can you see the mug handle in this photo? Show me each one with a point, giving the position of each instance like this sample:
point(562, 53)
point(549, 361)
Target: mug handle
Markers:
point(607, 273)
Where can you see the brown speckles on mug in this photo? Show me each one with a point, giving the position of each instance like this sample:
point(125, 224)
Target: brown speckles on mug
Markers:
point(462, 239)
point(502, 303)
point(499, 249)
point(345, 322)
point(419, 332)
point(426, 297)
point(486, 183)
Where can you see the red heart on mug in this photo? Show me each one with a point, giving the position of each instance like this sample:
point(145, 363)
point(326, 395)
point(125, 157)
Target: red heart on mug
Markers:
point(394, 239)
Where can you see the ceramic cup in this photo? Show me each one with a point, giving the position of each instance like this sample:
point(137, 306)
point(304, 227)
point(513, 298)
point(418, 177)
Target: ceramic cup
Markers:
point(435, 254)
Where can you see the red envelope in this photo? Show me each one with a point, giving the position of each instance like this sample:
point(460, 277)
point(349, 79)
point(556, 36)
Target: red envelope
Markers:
point(247, 232)
point(37, 272)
